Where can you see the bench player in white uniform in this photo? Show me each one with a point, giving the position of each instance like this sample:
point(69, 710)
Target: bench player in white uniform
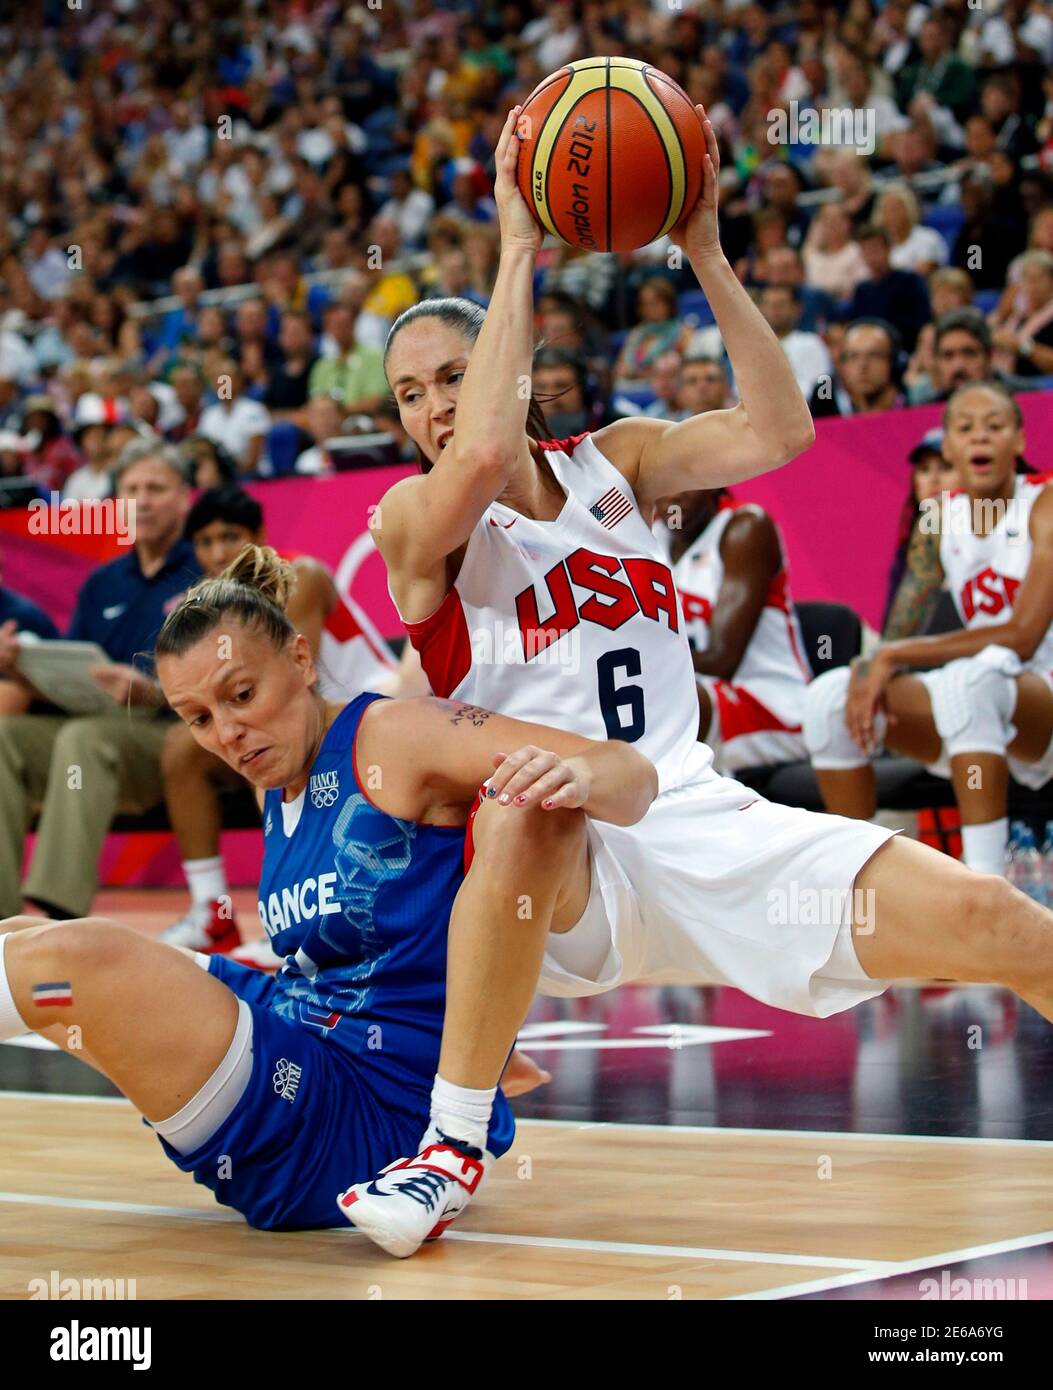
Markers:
point(730, 569)
point(528, 578)
point(987, 707)
point(351, 657)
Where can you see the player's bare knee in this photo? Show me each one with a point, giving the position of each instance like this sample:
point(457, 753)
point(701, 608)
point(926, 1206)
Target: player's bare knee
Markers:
point(76, 948)
point(516, 836)
point(998, 923)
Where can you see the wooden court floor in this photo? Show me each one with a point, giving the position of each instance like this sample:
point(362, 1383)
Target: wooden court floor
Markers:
point(574, 1211)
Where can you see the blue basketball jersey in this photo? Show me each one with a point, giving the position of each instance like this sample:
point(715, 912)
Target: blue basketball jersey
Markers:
point(358, 902)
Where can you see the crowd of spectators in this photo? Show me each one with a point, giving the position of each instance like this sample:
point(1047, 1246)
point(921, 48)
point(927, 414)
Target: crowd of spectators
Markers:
point(211, 211)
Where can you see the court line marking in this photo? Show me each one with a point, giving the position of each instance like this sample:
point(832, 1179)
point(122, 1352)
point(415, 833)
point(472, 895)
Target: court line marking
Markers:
point(784, 1133)
point(896, 1268)
point(735, 1131)
point(872, 1268)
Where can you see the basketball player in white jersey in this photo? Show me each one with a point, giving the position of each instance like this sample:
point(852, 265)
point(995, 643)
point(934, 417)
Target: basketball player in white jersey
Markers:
point(351, 657)
point(730, 570)
point(987, 706)
point(528, 577)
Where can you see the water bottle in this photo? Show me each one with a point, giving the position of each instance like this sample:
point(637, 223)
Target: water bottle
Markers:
point(1032, 878)
point(1015, 867)
point(1047, 862)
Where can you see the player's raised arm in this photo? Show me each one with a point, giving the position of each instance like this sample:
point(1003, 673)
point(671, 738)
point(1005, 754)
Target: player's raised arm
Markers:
point(443, 750)
point(770, 425)
point(427, 518)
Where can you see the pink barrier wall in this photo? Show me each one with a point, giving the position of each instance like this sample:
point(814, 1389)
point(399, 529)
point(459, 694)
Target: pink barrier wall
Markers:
point(838, 505)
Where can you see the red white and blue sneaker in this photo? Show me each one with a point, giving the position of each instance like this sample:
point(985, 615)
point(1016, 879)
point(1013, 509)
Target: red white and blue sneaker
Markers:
point(209, 929)
point(416, 1199)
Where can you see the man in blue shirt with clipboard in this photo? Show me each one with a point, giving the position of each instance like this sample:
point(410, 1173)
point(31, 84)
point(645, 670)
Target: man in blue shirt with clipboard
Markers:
point(81, 771)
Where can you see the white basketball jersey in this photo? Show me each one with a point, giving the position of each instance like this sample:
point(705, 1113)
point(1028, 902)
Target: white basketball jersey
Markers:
point(573, 622)
point(352, 656)
point(984, 572)
point(776, 648)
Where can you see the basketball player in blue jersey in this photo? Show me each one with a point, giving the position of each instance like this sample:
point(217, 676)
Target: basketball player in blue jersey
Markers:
point(528, 578)
point(273, 1090)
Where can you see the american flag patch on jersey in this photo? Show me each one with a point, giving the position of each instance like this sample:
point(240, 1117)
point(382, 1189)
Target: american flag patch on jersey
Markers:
point(612, 507)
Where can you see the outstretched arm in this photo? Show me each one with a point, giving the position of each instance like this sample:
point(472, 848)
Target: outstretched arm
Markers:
point(431, 756)
point(423, 520)
point(770, 425)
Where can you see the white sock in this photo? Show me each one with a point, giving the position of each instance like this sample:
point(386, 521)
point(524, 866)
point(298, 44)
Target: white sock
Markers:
point(983, 846)
point(206, 878)
point(461, 1113)
point(12, 1024)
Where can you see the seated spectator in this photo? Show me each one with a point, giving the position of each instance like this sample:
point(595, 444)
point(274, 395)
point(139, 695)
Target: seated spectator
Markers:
point(866, 373)
point(807, 353)
point(833, 260)
point(18, 614)
point(659, 329)
point(731, 573)
point(560, 384)
point(52, 455)
point(391, 291)
point(209, 465)
point(189, 389)
point(410, 208)
point(900, 296)
point(120, 606)
point(931, 475)
point(664, 381)
point(782, 186)
point(387, 420)
point(452, 278)
point(962, 352)
point(13, 449)
point(989, 237)
point(482, 247)
point(937, 71)
point(354, 373)
point(1023, 341)
point(92, 422)
point(782, 266)
point(1000, 103)
point(323, 419)
point(179, 325)
point(235, 421)
point(287, 390)
point(913, 247)
point(703, 385)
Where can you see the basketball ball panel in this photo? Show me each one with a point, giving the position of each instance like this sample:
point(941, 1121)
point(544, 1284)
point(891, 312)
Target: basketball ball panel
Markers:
point(566, 149)
point(533, 119)
point(579, 173)
point(688, 134)
point(637, 213)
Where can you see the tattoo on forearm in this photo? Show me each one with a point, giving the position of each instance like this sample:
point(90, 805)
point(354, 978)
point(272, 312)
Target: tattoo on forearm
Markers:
point(471, 714)
point(919, 588)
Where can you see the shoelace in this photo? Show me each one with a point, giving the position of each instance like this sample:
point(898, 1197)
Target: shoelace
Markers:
point(425, 1188)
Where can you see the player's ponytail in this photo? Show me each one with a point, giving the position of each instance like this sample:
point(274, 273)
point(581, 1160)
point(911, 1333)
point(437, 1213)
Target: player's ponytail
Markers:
point(255, 589)
point(466, 317)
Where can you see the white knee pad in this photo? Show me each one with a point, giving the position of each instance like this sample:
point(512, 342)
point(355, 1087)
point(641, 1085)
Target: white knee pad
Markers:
point(973, 702)
point(826, 736)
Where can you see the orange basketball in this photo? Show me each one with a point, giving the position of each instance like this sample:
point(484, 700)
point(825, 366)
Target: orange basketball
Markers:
point(610, 155)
